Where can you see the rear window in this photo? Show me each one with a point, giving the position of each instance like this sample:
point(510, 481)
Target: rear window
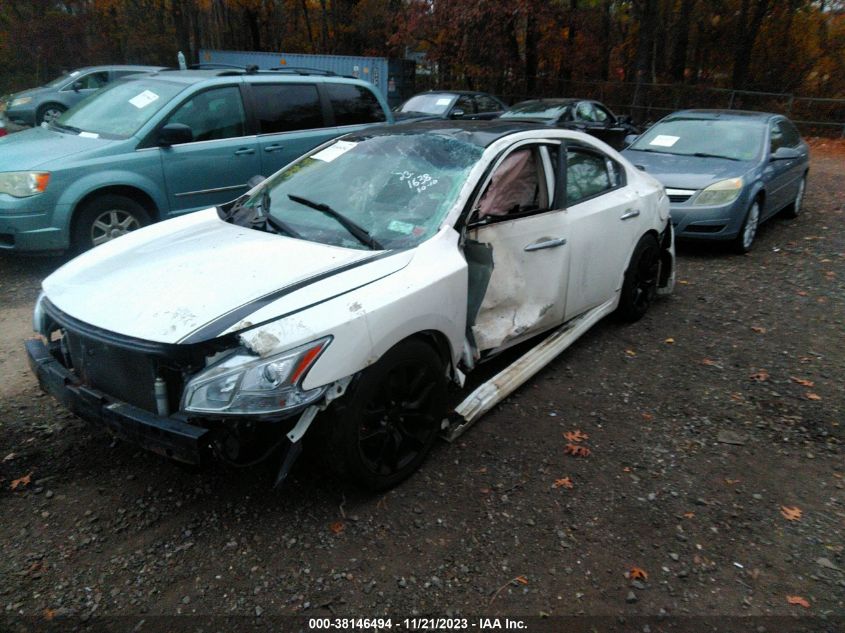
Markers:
point(354, 105)
point(287, 107)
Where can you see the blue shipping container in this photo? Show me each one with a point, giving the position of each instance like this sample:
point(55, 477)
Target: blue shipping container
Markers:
point(394, 77)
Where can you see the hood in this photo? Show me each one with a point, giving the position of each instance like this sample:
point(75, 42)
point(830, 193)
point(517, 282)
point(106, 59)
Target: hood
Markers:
point(687, 172)
point(167, 281)
point(31, 92)
point(36, 147)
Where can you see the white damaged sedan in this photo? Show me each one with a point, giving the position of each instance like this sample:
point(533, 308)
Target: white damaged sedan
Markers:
point(345, 295)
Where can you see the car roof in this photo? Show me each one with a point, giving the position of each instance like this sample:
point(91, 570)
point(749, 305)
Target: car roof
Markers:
point(480, 133)
point(116, 67)
point(196, 75)
point(740, 115)
point(456, 92)
point(552, 101)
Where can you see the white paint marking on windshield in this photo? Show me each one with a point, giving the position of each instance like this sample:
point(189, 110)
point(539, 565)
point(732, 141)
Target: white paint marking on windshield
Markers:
point(338, 149)
point(664, 140)
point(144, 99)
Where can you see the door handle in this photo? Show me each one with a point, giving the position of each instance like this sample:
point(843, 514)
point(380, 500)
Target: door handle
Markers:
point(629, 213)
point(244, 150)
point(273, 148)
point(545, 243)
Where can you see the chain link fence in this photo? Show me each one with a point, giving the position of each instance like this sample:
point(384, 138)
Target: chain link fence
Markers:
point(648, 102)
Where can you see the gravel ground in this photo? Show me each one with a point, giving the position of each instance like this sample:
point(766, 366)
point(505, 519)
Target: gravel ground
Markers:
point(716, 432)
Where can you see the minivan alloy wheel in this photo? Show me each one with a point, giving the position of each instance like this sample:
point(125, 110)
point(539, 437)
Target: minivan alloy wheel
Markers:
point(749, 231)
point(50, 114)
point(112, 224)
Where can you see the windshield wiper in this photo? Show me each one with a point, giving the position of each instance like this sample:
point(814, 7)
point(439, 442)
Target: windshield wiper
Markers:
point(264, 216)
point(356, 230)
point(68, 128)
point(706, 155)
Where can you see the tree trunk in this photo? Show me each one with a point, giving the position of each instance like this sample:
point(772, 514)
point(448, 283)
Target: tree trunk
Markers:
point(679, 50)
point(746, 35)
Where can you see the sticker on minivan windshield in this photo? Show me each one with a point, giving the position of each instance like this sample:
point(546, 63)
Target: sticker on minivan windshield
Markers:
point(444, 101)
point(144, 99)
point(664, 140)
point(338, 149)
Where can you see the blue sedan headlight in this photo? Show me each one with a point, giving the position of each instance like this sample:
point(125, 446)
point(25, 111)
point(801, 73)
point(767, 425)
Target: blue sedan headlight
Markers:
point(722, 192)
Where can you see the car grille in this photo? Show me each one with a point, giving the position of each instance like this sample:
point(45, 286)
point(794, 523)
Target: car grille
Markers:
point(679, 196)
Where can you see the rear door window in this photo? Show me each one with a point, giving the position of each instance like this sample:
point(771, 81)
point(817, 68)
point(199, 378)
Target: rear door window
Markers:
point(287, 107)
point(354, 105)
point(588, 174)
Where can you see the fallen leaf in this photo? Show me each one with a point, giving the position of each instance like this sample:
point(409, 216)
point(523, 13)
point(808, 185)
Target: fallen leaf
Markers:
point(802, 293)
point(49, 614)
point(731, 482)
point(802, 381)
point(637, 574)
point(737, 397)
point(708, 361)
point(576, 436)
point(627, 469)
point(760, 376)
point(337, 527)
point(689, 515)
point(683, 282)
point(798, 600)
point(630, 352)
point(669, 341)
point(522, 580)
point(21, 482)
point(565, 482)
point(758, 329)
point(485, 491)
point(648, 417)
point(791, 513)
point(812, 396)
point(576, 450)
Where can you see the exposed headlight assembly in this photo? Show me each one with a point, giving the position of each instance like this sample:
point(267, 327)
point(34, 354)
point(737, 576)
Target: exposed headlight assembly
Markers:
point(20, 101)
point(244, 384)
point(22, 184)
point(721, 192)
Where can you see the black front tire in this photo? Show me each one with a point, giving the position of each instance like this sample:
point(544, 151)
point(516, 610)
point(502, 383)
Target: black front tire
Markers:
point(49, 112)
point(639, 287)
point(105, 218)
point(381, 431)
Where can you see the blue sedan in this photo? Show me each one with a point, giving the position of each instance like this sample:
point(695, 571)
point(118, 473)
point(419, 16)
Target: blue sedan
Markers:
point(725, 171)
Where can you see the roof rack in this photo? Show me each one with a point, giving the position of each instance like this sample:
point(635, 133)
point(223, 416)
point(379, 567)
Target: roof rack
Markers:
point(302, 70)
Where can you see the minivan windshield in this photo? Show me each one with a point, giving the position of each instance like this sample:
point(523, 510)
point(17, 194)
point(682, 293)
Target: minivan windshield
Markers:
point(733, 139)
point(120, 109)
point(377, 192)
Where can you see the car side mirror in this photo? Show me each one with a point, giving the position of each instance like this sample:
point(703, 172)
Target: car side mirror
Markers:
point(77, 86)
point(785, 153)
point(630, 139)
point(625, 119)
point(457, 113)
point(175, 134)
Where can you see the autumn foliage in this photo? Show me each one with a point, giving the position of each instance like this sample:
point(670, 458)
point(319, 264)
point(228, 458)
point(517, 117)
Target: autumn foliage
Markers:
point(518, 47)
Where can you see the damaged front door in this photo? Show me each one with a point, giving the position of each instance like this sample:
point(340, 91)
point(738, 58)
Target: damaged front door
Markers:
point(528, 239)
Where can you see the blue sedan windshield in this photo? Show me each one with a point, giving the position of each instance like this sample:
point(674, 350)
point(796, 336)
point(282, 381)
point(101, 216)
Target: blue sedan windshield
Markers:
point(721, 138)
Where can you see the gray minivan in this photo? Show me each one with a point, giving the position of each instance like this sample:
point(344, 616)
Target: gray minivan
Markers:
point(155, 146)
point(47, 102)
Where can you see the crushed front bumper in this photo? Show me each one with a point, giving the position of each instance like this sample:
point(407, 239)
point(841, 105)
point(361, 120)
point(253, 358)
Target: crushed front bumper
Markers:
point(170, 437)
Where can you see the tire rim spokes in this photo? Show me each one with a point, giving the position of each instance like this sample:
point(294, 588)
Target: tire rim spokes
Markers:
point(645, 280)
point(751, 225)
point(799, 198)
point(112, 224)
point(397, 423)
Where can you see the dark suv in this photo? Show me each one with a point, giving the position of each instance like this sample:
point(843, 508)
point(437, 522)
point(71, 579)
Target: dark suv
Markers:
point(159, 145)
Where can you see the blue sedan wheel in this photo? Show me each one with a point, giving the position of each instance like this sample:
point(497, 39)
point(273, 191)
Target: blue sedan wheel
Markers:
point(748, 232)
point(794, 209)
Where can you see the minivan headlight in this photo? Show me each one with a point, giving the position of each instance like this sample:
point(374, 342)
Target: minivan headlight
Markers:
point(721, 192)
point(22, 184)
point(20, 101)
point(244, 384)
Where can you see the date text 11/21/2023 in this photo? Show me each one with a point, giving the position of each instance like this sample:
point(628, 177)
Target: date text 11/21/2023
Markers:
point(416, 624)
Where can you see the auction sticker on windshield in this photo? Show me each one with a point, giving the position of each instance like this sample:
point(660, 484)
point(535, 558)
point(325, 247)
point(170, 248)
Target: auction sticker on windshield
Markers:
point(664, 140)
point(338, 149)
point(144, 99)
